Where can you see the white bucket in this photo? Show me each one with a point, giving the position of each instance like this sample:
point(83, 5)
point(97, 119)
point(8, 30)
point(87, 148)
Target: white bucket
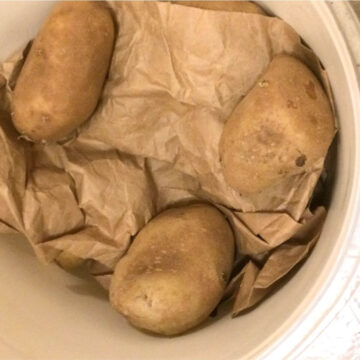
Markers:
point(46, 313)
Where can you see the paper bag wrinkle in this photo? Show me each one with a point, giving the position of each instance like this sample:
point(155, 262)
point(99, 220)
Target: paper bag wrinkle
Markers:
point(247, 243)
point(245, 297)
point(275, 268)
point(12, 173)
point(176, 75)
point(214, 56)
point(257, 284)
point(88, 243)
point(7, 229)
point(125, 203)
point(311, 225)
point(271, 227)
point(255, 236)
point(172, 187)
point(234, 283)
point(47, 156)
point(50, 190)
point(104, 280)
point(286, 256)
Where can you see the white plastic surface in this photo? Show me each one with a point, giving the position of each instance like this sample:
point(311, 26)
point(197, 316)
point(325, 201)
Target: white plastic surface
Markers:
point(46, 313)
point(338, 337)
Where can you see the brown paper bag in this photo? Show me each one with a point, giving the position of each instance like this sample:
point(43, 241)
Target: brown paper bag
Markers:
point(176, 75)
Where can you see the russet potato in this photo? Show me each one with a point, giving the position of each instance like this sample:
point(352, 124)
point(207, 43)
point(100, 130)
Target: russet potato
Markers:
point(176, 270)
point(282, 127)
point(63, 75)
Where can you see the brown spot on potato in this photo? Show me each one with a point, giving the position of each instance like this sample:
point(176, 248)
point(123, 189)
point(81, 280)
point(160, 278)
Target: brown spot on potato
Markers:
point(291, 104)
point(310, 90)
point(301, 160)
point(314, 120)
point(45, 119)
point(269, 136)
point(40, 52)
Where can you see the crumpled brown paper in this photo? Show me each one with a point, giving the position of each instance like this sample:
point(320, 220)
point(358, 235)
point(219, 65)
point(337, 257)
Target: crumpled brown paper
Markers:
point(253, 282)
point(176, 75)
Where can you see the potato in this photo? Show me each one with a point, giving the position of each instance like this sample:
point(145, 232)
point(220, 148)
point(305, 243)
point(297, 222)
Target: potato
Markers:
point(62, 78)
point(176, 270)
point(282, 127)
point(242, 6)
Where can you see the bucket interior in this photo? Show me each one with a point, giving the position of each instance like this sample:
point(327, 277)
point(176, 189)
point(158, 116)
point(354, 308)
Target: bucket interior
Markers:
point(48, 313)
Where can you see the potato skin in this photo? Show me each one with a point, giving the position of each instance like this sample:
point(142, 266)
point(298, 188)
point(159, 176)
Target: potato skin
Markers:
point(62, 78)
point(282, 127)
point(241, 6)
point(176, 270)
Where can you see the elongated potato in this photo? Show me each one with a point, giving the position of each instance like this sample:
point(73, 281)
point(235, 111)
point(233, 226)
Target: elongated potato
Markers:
point(61, 81)
point(282, 127)
point(176, 270)
point(241, 6)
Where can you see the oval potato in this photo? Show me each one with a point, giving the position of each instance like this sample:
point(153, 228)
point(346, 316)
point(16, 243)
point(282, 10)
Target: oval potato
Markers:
point(176, 270)
point(282, 127)
point(62, 78)
point(241, 6)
